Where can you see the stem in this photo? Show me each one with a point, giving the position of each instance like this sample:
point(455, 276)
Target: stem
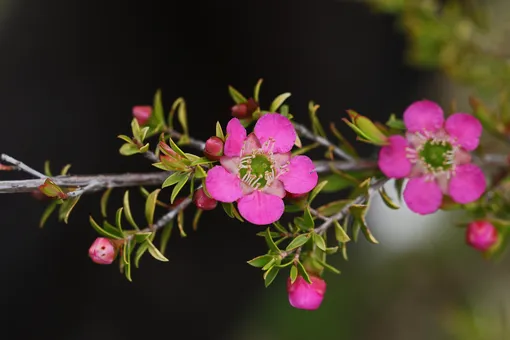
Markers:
point(303, 131)
point(360, 199)
point(195, 143)
point(21, 166)
point(326, 166)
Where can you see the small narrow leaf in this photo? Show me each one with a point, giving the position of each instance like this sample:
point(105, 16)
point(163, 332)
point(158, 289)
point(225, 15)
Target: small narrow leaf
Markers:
point(319, 241)
point(358, 212)
point(65, 170)
point(155, 252)
point(176, 148)
point(118, 218)
point(256, 91)
point(180, 223)
point(47, 170)
point(302, 272)
point(196, 219)
point(270, 264)
point(278, 101)
point(183, 117)
point(127, 211)
point(316, 191)
point(128, 149)
point(237, 97)
point(112, 229)
point(327, 266)
point(158, 111)
point(200, 172)
point(298, 242)
point(172, 179)
point(101, 231)
point(260, 261)
point(47, 213)
point(387, 200)
point(150, 206)
point(165, 236)
point(139, 253)
point(308, 218)
point(104, 201)
point(293, 274)
point(142, 237)
point(341, 235)
point(178, 187)
point(219, 131)
point(66, 208)
point(270, 243)
point(270, 275)
point(279, 227)
point(228, 209)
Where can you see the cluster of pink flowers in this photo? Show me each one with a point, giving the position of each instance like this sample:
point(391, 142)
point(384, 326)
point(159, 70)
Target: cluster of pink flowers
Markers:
point(257, 170)
point(434, 155)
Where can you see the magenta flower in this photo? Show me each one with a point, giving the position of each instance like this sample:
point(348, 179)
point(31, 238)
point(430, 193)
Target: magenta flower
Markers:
point(257, 169)
point(142, 114)
point(303, 295)
point(102, 251)
point(481, 235)
point(435, 156)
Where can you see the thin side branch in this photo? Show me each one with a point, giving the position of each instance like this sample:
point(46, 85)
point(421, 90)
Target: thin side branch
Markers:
point(21, 166)
point(195, 143)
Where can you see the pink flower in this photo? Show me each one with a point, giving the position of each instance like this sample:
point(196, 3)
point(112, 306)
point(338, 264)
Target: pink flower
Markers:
point(435, 156)
point(142, 113)
point(257, 169)
point(481, 235)
point(304, 295)
point(102, 251)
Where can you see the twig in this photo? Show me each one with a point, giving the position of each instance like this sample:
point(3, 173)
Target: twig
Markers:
point(360, 199)
point(151, 156)
point(88, 188)
point(21, 166)
point(362, 164)
point(195, 143)
point(303, 131)
point(171, 214)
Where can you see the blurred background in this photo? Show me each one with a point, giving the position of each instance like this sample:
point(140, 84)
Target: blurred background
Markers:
point(70, 73)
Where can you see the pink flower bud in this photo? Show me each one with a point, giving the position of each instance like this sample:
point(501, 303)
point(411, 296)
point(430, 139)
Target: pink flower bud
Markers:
point(303, 295)
point(481, 235)
point(245, 110)
point(213, 148)
point(102, 251)
point(142, 113)
point(202, 201)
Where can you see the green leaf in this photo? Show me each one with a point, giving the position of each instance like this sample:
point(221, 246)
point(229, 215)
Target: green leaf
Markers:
point(125, 139)
point(270, 243)
point(332, 207)
point(118, 218)
point(387, 200)
point(305, 149)
point(399, 184)
point(144, 149)
point(302, 272)
point(128, 149)
point(183, 118)
point(270, 275)
point(308, 218)
point(341, 235)
point(112, 229)
point(47, 170)
point(104, 201)
point(228, 209)
point(158, 112)
point(270, 264)
point(200, 161)
point(298, 241)
point(101, 231)
point(236, 214)
point(139, 253)
point(142, 237)
point(237, 97)
point(127, 211)
point(178, 187)
point(316, 191)
point(173, 178)
point(135, 128)
point(301, 224)
point(126, 256)
point(165, 236)
point(278, 101)
point(344, 252)
point(47, 213)
point(358, 212)
point(260, 261)
point(176, 148)
point(155, 252)
point(279, 227)
point(200, 172)
point(256, 91)
point(219, 131)
point(65, 170)
point(196, 219)
point(319, 241)
point(336, 182)
point(150, 206)
point(66, 208)
point(327, 266)
point(395, 123)
point(293, 274)
point(180, 223)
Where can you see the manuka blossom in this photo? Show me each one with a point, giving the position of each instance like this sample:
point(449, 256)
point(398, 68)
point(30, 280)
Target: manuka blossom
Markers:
point(481, 235)
point(303, 295)
point(102, 251)
point(257, 169)
point(434, 154)
point(142, 114)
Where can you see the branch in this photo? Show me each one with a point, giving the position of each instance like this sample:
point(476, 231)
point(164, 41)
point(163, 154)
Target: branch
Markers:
point(326, 166)
point(341, 214)
point(195, 143)
point(21, 166)
point(303, 131)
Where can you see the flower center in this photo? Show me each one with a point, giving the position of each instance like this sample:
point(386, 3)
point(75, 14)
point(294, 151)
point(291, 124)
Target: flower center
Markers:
point(256, 170)
point(437, 155)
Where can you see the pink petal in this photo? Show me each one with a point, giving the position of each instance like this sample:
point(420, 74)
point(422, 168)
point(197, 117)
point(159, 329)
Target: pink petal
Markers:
point(276, 188)
point(393, 161)
point(281, 159)
point(251, 144)
point(236, 134)
point(468, 184)
point(279, 129)
point(299, 176)
point(423, 197)
point(231, 164)
point(465, 129)
point(222, 185)
point(260, 208)
point(423, 115)
point(462, 157)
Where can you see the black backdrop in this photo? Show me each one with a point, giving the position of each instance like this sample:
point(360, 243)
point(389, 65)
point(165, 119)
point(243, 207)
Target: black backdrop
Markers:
point(70, 71)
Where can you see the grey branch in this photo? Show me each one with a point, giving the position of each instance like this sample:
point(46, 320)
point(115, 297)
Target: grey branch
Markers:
point(375, 186)
point(171, 214)
point(303, 131)
point(195, 143)
point(21, 166)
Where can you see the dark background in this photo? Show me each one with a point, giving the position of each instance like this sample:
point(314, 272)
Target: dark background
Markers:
point(70, 71)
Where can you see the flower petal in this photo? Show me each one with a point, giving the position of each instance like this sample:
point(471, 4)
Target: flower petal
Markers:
point(250, 144)
point(231, 164)
point(222, 185)
point(236, 134)
point(423, 115)
point(260, 208)
point(465, 128)
point(423, 197)
point(276, 188)
point(468, 184)
point(393, 161)
point(279, 129)
point(299, 176)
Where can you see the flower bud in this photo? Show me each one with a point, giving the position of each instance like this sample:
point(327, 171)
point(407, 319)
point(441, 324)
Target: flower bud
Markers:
point(303, 295)
point(202, 201)
point(102, 251)
point(213, 148)
point(142, 113)
point(245, 110)
point(481, 235)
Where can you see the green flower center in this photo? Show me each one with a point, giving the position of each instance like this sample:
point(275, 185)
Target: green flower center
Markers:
point(437, 155)
point(256, 171)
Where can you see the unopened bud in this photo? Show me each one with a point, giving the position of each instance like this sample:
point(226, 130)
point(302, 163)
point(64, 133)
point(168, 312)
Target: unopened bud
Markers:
point(303, 295)
point(213, 148)
point(142, 114)
point(102, 251)
point(245, 110)
point(202, 201)
point(481, 235)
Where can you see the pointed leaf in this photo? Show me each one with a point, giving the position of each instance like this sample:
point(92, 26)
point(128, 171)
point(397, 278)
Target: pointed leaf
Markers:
point(47, 170)
point(178, 187)
point(139, 253)
point(260, 261)
point(165, 236)
point(219, 131)
point(278, 101)
point(293, 274)
point(387, 200)
point(236, 95)
point(158, 112)
point(172, 179)
point(47, 213)
point(341, 235)
point(256, 91)
point(358, 212)
point(128, 149)
point(327, 266)
point(66, 208)
point(270, 243)
point(196, 218)
point(270, 275)
point(316, 191)
point(298, 242)
point(104, 201)
point(302, 272)
point(118, 218)
point(127, 211)
point(155, 252)
point(319, 241)
point(101, 231)
point(150, 206)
